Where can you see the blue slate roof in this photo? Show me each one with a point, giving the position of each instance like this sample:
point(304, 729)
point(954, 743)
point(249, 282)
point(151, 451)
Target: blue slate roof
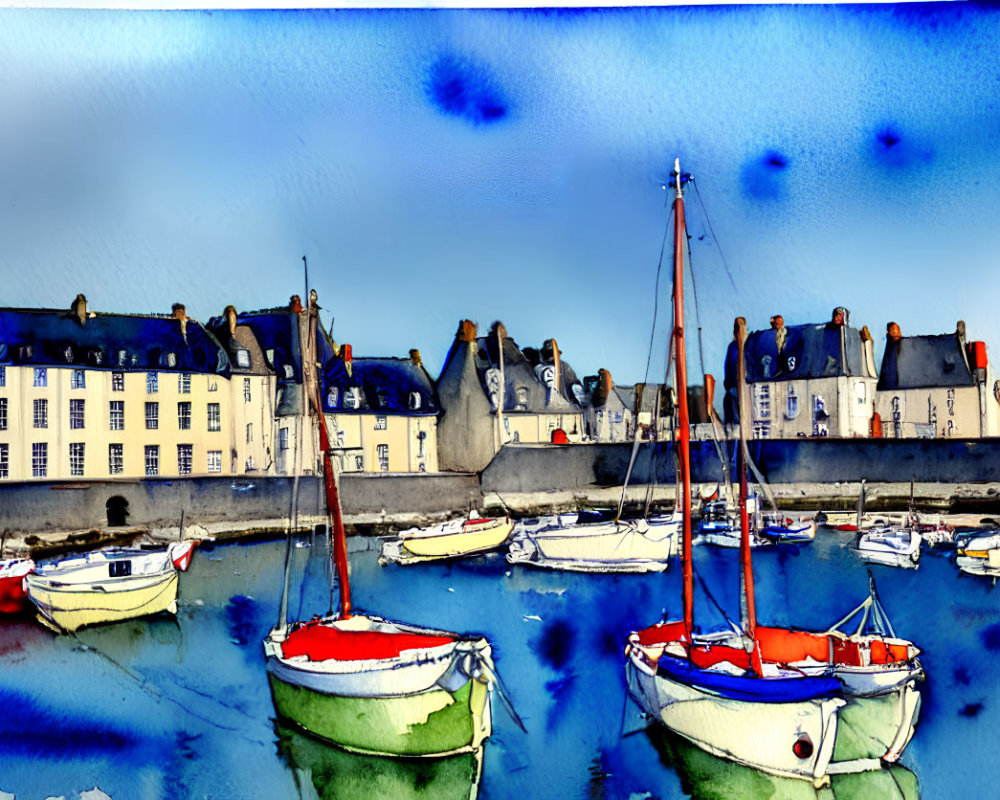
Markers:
point(276, 329)
point(393, 385)
point(922, 361)
point(119, 342)
point(810, 351)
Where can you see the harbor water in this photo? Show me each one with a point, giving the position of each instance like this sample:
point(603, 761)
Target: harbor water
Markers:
point(180, 708)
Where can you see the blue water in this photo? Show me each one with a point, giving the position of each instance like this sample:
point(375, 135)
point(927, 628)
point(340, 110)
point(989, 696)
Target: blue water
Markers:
point(162, 708)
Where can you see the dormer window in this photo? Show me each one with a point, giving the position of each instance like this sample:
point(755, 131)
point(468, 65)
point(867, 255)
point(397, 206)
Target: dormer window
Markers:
point(68, 354)
point(380, 398)
point(333, 397)
point(25, 352)
point(522, 399)
point(414, 401)
point(352, 397)
point(171, 359)
point(289, 372)
point(243, 358)
point(269, 355)
point(122, 358)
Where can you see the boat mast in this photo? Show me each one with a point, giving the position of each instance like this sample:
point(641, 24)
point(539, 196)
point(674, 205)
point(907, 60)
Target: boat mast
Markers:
point(329, 476)
point(680, 372)
point(746, 565)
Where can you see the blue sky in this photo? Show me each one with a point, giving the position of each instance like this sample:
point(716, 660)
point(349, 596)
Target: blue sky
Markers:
point(441, 164)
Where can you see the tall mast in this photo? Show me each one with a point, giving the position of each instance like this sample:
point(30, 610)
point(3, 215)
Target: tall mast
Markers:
point(749, 606)
point(680, 369)
point(329, 477)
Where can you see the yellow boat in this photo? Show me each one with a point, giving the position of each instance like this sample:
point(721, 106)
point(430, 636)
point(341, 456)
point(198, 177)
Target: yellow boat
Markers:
point(106, 586)
point(454, 539)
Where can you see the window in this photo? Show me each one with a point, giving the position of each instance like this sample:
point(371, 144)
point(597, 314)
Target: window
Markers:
point(116, 411)
point(184, 459)
point(214, 417)
point(78, 380)
point(860, 392)
point(152, 382)
point(3, 413)
point(3, 376)
point(243, 358)
point(122, 358)
point(791, 403)
point(76, 408)
point(76, 458)
point(184, 416)
point(152, 459)
point(762, 399)
point(116, 459)
point(184, 383)
point(117, 381)
point(213, 385)
point(171, 360)
point(414, 401)
point(359, 462)
point(152, 416)
point(246, 390)
point(382, 451)
point(41, 376)
point(41, 413)
point(249, 432)
point(332, 397)
point(282, 438)
point(39, 459)
point(380, 422)
point(761, 430)
point(4, 463)
point(215, 461)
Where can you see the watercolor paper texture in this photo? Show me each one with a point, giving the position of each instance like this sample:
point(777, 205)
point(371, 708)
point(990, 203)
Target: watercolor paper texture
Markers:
point(508, 164)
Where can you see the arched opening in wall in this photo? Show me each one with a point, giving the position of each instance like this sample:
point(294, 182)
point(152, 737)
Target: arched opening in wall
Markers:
point(117, 508)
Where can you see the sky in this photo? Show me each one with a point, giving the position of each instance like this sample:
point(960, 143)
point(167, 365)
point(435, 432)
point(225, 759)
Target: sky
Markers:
point(436, 165)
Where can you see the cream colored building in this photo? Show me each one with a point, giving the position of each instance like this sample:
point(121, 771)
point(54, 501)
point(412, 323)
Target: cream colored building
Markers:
point(936, 386)
point(813, 380)
point(86, 396)
point(381, 413)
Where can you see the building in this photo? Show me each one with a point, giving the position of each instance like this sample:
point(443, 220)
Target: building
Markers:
point(492, 393)
point(381, 413)
point(805, 380)
point(932, 386)
point(88, 395)
point(252, 389)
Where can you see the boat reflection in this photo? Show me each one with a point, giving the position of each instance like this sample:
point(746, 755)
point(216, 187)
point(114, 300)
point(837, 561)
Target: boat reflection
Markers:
point(706, 777)
point(329, 773)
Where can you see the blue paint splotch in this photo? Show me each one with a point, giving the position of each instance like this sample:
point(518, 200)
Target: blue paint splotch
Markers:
point(29, 728)
point(241, 620)
point(763, 176)
point(893, 149)
point(556, 644)
point(990, 637)
point(971, 709)
point(459, 87)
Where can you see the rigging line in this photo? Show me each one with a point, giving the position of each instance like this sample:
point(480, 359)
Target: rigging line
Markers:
point(715, 603)
point(708, 222)
point(656, 296)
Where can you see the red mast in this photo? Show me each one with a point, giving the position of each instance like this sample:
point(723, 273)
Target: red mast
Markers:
point(329, 478)
point(680, 370)
point(750, 622)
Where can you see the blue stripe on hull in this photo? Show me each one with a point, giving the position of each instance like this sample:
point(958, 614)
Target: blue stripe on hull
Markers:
point(782, 689)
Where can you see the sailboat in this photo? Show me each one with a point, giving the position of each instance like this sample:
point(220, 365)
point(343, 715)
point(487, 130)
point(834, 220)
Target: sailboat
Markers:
point(457, 538)
point(734, 694)
point(13, 597)
point(368, 684)
point(107, 585)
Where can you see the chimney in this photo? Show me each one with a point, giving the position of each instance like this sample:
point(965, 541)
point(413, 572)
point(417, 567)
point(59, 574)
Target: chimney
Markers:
point(295, 304)
point(415, 357)
point(230, 314)
point(345, 353)
point(603, 389)
point(180, 313)
point(466, 331)
point(960, 331)
point(557, 380)
point(79, 309)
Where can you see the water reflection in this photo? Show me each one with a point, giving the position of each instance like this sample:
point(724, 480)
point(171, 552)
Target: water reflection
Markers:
point(707, 777)
point(329, 773)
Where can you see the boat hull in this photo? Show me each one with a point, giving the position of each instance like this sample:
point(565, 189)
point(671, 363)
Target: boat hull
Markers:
point(469, 540)
point(432, 723)
point(598, 547)
point(13, 596)
point(70, 607)
point(757, 735)
point(876, 728)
